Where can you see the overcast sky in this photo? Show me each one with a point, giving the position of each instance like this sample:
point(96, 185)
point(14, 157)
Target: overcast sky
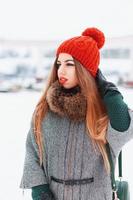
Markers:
point(58, 19)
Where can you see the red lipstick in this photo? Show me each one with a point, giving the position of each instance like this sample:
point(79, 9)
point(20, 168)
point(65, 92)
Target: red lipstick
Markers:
point(62, 80)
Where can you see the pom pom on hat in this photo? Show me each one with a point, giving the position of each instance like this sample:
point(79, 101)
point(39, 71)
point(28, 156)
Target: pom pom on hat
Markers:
point(85, 48)
point(96, 34)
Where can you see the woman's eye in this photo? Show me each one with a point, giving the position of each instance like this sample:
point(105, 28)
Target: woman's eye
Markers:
point(67, 64)
point(70, 64)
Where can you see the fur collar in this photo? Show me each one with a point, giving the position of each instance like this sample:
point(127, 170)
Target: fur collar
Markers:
point(67, 102)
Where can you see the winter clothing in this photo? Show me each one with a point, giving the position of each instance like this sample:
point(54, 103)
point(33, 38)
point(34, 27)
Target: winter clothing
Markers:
point(69, 153)
point(105, 86)
point(110, 94)
point(117, 111)
point(118, 115)
point(85, 48)
point(40, 191)
point(64, 101)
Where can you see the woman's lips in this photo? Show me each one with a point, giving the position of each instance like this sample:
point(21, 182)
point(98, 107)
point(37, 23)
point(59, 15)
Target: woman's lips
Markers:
point(62, 80)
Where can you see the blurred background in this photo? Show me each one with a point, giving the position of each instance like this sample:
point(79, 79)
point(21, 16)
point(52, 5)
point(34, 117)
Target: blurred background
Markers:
point(30, 32)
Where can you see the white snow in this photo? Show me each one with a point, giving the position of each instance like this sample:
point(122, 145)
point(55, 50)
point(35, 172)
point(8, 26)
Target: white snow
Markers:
point(15, 115)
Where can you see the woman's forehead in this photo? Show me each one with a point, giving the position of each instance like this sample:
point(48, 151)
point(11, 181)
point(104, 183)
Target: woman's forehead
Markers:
point(64, 57)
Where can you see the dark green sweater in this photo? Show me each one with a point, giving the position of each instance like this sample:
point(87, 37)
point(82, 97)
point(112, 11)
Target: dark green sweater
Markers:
point(117, 111)
point(119, 117)
point(37, 190)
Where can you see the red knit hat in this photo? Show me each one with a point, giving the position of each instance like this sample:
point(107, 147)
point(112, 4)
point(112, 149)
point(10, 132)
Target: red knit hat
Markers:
point(85, 48)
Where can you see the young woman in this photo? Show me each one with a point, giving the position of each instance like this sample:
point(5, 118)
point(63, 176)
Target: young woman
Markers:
point(79, 112)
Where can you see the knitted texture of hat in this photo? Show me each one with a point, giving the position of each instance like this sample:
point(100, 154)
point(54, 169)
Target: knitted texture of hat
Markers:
point(85, 48)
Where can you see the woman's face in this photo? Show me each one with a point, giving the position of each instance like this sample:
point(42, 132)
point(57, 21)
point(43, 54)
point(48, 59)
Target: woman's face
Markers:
point(66, 70)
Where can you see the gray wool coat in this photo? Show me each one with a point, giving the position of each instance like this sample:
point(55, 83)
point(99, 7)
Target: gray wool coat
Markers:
point(69, 154)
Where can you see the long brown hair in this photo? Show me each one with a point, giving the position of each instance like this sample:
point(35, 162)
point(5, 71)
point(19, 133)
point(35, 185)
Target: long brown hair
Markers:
point(96, 115)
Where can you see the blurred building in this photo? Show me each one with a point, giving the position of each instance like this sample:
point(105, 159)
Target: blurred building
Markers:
point(35, 58)
point(117, 58)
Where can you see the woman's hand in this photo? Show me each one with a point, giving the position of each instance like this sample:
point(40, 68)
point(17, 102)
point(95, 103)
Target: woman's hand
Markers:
point(42, 192)
point(105, 86)
point(47, 196)
point(117, 109)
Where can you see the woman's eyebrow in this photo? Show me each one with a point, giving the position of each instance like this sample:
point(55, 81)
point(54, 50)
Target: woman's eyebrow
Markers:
point(66, 60)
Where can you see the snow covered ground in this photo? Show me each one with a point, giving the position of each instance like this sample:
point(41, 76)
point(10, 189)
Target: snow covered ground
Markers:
point(15, 115)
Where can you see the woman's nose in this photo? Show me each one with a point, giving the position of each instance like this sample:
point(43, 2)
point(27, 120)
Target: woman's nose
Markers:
point(61, 69)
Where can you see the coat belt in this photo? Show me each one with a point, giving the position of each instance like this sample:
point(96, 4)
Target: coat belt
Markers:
point(73, 181)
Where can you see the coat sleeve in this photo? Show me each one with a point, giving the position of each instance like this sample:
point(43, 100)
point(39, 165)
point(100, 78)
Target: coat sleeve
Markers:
point(118, 139)
point(33, 173)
